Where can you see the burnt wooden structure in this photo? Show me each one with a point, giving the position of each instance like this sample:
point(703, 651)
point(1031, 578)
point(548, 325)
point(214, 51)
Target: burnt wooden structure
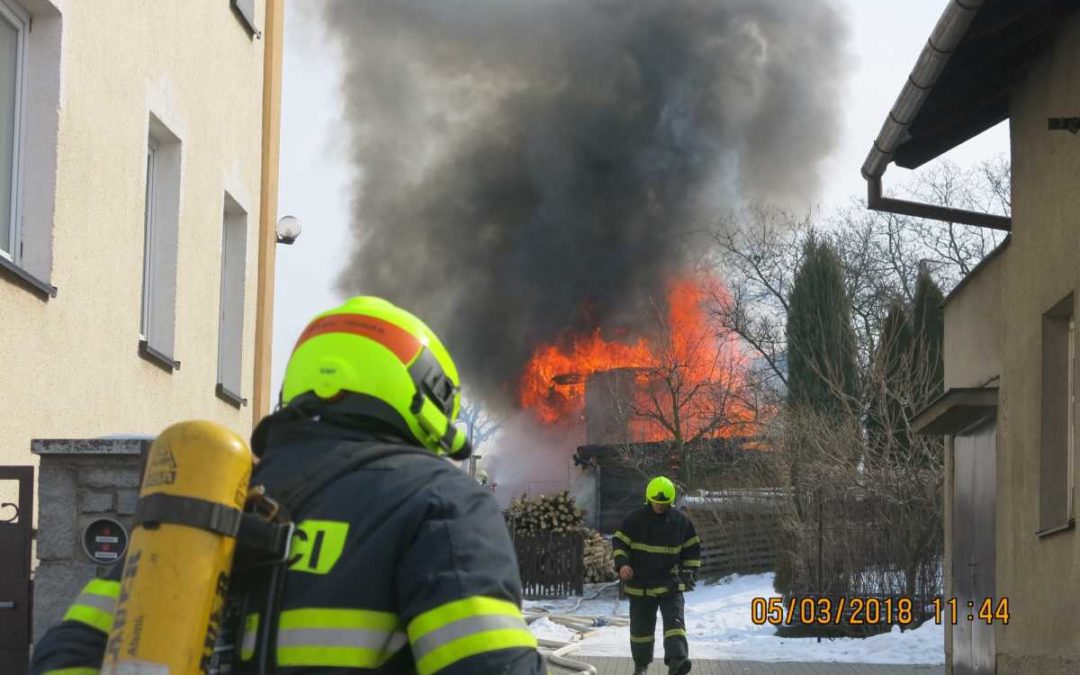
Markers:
point(619, 487)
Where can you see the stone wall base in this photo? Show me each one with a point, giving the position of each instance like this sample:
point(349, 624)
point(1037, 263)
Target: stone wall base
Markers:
point(79, 481)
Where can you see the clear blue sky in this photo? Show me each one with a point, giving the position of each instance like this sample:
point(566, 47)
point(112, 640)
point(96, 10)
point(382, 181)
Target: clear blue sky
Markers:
point(885, 38)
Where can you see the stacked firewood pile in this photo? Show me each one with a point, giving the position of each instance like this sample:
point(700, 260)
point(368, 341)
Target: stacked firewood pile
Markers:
point(557, 513)
point(599, 566)
point(560, 514)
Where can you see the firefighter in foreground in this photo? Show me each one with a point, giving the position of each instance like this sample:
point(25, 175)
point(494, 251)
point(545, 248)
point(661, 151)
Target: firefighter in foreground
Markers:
point(657, 556)
point(399, 565)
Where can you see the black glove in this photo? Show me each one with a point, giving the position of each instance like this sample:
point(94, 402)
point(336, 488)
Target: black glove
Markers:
point(689, 579)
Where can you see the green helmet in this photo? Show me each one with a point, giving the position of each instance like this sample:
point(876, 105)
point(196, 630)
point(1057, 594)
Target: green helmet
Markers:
point(660, 491)
point(376, 360)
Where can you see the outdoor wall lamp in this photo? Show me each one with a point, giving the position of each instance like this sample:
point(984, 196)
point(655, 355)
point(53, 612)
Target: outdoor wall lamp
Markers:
point(288, 230)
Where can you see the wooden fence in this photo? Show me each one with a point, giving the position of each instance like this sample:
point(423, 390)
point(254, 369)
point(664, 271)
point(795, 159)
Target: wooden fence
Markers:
point(738, 536)
point(552, 565)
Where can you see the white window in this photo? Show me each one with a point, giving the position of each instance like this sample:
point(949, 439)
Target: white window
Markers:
point(160, 226)
point(13, 29)
point(29, 123)
point(231, 309)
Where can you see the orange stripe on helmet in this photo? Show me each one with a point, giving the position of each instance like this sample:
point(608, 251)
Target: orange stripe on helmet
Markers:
point(395, 338)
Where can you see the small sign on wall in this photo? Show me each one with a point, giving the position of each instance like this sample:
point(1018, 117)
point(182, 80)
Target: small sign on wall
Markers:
point(105, 541)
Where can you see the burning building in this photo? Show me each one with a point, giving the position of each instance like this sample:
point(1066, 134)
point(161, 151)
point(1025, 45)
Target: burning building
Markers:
point(532, 169)
point(680, 381)
point(640, 406)
point(610, 397)
point(534, 176)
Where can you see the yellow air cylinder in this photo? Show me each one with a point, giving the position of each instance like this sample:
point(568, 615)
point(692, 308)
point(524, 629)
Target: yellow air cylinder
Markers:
point(176, 572)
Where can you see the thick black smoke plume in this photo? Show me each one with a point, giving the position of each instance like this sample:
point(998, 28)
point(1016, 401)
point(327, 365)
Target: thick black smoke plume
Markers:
point(532, 167)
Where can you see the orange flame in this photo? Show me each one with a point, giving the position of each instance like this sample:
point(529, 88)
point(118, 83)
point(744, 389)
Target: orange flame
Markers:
point(688, 367)
point(553, 385)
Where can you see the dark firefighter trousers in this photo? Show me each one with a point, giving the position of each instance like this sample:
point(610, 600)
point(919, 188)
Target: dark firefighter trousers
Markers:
point(643, 628)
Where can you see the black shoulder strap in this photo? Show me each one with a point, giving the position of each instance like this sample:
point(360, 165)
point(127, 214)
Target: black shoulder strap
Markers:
point(346, 457)
point(262, 541)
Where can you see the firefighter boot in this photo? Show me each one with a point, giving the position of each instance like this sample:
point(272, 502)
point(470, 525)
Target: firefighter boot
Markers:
point(680, 667)
point(640, 670)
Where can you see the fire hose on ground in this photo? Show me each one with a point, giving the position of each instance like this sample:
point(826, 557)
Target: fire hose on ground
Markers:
point(554, 653)
point(594, 595)
point(554, 650)
point(556, 658)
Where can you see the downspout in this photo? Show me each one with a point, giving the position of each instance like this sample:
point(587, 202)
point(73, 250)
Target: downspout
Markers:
point(877, 202)
point(949, 32)
point(268, 195)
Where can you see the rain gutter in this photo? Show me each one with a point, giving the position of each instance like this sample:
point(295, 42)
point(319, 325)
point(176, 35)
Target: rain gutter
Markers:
point(949, 32)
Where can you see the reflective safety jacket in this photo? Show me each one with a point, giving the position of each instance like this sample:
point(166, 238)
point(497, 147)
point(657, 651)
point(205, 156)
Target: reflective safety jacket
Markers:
point(657, 546)
point(403, 565)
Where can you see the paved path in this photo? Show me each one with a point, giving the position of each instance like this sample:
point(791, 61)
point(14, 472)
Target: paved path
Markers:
point(623, 666)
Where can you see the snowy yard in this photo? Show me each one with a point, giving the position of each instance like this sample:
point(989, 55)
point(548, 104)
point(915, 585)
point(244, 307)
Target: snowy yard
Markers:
point(719, 627)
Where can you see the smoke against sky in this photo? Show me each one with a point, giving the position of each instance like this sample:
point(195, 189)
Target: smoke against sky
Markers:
point(533, 167)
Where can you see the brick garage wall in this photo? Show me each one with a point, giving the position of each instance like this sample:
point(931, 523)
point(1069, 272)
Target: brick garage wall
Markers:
point(79, 481)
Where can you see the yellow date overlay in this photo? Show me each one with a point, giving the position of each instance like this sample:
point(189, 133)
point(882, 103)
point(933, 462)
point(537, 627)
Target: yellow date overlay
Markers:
point(858, 611)
point(988, 610)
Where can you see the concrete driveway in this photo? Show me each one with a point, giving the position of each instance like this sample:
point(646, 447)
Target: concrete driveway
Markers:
point(624, 666)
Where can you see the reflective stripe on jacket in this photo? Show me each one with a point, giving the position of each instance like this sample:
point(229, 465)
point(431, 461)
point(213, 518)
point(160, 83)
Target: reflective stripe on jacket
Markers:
point(656, 546)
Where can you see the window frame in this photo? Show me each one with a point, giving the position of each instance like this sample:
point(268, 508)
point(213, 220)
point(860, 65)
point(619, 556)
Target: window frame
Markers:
point(163, 173)
point(27, 260)
point(19, 17)
point(1056, 511)
point(231, 323)
point(145, 314)
point(245, 13)
point(1070, 441)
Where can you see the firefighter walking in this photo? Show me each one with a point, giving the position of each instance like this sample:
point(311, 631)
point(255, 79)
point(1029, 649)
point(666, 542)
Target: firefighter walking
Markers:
point(657, 555)
point(400, 562)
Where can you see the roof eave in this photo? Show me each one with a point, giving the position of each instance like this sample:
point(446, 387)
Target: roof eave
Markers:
point(947, 35)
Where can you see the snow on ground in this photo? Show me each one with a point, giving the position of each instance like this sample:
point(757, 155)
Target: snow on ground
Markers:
point(549, 630)
point(719, 627)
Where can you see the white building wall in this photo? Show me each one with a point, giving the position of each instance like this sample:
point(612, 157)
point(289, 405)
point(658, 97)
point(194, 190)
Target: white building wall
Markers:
point(69, 365)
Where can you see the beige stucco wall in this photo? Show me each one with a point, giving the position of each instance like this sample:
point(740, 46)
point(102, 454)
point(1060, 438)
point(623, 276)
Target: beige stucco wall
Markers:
point(1041, 577)
point(973, 334)
point(69, 366)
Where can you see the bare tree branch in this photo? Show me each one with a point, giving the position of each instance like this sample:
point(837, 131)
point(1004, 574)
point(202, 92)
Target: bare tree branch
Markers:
point(479, 423)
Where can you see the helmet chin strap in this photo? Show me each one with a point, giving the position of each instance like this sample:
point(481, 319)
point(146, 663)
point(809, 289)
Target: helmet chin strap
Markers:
point(431, 418)
point(433, 404)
